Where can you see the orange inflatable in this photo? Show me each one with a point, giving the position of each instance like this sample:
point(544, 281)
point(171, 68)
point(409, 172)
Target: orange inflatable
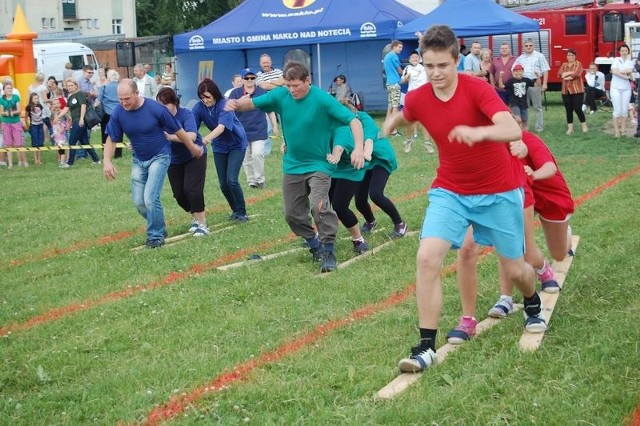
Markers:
point(21, 67)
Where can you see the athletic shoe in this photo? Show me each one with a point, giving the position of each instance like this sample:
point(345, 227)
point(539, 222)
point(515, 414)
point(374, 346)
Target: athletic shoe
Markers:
point(96, 163)
point(152, 244)
point(396, 133)
point(584, 108)
point(360, 247)
point(368, 227)
point(591, 112)
point(407, 145)
point(253, 185)
point(316, 253)
point(534, 321)
point(329, 262)
point(194, 226)
point(241, 218)
point(399, 230)
point(465, 330)
point(548, 279)
point(201, 231)
point(429, 147)
point(502, 308)
point(421, 358)
point(64, 166)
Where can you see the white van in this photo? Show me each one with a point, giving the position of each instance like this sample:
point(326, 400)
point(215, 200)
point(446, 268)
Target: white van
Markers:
point(51, 58)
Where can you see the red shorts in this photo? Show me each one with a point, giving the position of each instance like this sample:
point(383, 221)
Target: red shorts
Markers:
point(558, 209)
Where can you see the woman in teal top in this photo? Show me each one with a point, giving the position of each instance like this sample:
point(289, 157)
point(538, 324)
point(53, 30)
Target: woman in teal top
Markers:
point(381, 162)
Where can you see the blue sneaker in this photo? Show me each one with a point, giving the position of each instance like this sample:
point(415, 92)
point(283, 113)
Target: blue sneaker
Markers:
point(194, 226)
point(368, 227)
point(421, 358)
point(329, 262)
point(201, 231)
point(502, 308)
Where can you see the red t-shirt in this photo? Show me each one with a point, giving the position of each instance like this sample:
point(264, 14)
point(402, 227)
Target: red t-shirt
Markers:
point(552, 193)
point(485, 168)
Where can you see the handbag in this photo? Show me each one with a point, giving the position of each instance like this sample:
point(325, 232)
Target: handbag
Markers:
point(91, 117)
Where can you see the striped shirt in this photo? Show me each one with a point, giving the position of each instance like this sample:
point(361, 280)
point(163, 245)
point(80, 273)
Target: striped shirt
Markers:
point(268, 76)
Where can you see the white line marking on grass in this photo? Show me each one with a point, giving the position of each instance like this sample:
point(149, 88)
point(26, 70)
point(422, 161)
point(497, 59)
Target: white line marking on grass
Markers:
point(531, 341)
point(404, 380)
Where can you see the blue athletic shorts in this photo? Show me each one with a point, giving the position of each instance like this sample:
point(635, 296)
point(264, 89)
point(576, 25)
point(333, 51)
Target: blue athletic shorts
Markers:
point(497, 219)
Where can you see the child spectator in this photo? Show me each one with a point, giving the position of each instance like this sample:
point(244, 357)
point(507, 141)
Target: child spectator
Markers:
point(34, 121)
point(11, 124)
point(416, 76)
point(517, 87)
point(60, 128)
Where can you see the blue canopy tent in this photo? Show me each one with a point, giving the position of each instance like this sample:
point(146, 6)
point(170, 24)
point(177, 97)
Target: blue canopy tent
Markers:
point(470, 18)
point(334, 37)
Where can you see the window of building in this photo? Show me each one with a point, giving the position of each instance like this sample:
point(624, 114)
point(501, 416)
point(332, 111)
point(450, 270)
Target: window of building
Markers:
point(95, 24)
point(69, 9)
point(45, 23)
point(52, 22)
point(116, 26)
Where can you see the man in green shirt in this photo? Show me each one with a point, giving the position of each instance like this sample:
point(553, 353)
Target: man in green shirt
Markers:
point(309, 115)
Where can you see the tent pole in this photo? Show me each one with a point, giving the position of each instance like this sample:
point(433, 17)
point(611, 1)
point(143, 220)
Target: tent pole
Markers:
point(549, 50)
point(319, 65)
point(246, 61)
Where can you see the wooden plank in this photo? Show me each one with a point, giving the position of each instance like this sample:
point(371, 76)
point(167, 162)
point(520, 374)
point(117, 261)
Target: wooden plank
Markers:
point(267, 257)
point(364, 255)
point(531, 341)
point(404, 380)
point(181, 237)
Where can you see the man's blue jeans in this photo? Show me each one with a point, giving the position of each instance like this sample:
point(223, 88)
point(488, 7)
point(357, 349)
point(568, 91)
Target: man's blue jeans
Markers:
point(147, 178)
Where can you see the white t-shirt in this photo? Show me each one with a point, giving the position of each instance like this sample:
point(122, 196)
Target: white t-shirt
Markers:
point(417, 76)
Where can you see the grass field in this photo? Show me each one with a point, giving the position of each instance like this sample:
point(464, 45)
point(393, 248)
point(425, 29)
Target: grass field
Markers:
point(94, 332)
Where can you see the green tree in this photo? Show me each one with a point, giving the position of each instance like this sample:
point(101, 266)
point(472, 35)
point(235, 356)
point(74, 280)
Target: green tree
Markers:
point(160, 17)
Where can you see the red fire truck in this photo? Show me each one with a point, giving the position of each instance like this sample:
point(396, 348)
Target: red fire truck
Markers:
point(594, 30)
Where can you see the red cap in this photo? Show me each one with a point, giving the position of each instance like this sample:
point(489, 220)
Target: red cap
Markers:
point(518, 67)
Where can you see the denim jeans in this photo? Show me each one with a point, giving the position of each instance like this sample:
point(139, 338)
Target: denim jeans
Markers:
point(228, 169)
point(147, 178)
point(79, 134)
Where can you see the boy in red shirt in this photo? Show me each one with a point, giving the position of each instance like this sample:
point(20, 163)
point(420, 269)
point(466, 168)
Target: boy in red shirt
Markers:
point(477, 183)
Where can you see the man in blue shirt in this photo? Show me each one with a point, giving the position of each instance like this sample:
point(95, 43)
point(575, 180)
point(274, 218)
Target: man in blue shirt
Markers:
point(393, 73)
point(144, 122)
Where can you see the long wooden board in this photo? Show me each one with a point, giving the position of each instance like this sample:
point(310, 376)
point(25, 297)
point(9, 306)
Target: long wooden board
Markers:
point(531, 341)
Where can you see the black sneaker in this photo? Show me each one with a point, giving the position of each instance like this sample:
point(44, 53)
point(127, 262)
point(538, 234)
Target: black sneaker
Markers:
point(152, 244)
point(636, 135)
point(399, 230)
point(360, 247)
point(534, 321)
point(420, 359)
point(329, 262)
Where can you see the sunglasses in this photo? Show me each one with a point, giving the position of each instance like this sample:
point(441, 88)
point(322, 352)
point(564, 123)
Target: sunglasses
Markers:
point(249, 78)
point(528, 45)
